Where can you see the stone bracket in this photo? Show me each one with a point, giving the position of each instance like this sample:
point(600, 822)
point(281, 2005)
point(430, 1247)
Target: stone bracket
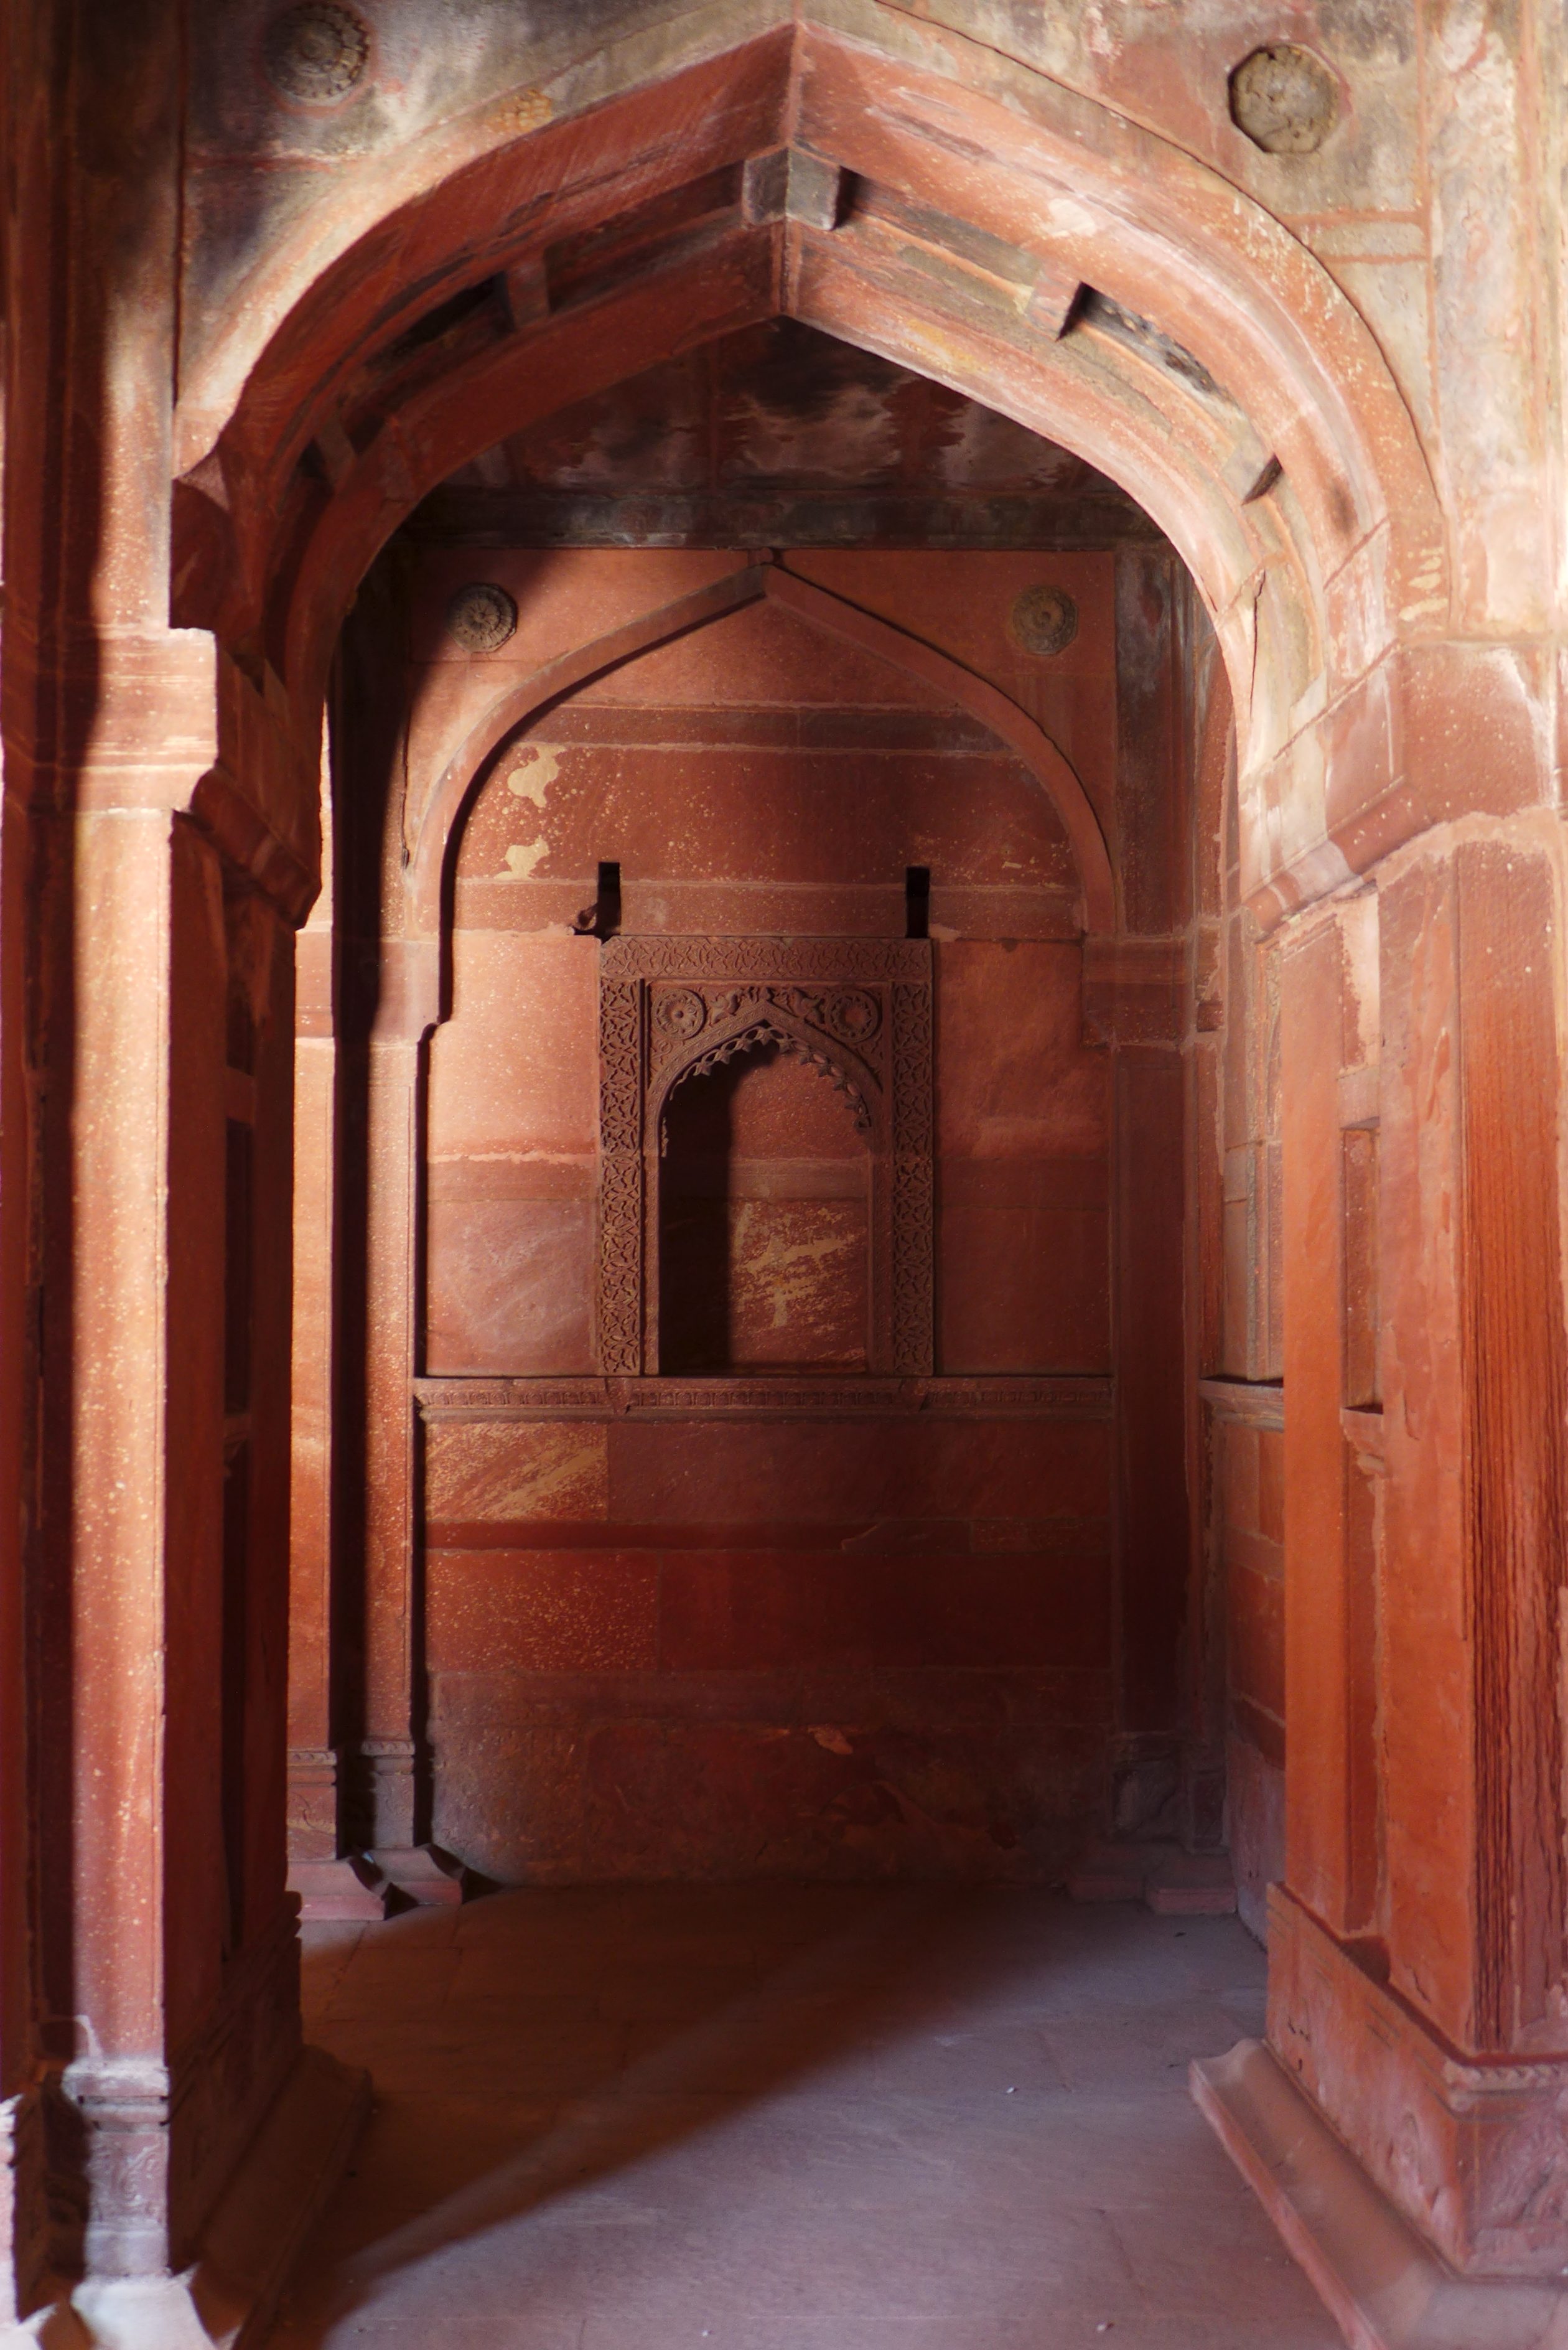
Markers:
point(791, 184)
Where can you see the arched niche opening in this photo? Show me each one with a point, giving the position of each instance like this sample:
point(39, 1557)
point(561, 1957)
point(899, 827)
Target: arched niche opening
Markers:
point(963, 651)
point(765, 1219)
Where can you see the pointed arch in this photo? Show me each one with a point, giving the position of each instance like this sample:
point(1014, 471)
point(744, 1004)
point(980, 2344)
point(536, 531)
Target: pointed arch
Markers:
point(438, 823)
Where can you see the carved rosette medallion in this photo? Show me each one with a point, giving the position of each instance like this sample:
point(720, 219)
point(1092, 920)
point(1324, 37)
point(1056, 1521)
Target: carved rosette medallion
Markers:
point(1285, 100)
point(1043, 621)
point(679, 1012)
point(481, 617)
point(317, 52)
point(858, 1011)
point(852, 1016)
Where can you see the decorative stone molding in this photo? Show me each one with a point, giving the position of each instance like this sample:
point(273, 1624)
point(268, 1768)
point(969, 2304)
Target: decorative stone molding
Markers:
point(858, 1009)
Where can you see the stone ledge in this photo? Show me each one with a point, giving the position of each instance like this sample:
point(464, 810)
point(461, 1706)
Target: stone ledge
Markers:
point(1067, 1395)
point(1383, 2287)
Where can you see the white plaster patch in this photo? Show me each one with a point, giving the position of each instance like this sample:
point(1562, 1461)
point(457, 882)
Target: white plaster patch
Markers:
point(1072, 218)
point(522, 856)
point(537, 766)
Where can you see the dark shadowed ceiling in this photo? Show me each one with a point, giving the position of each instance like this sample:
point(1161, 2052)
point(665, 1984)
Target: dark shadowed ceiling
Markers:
point(780, 436)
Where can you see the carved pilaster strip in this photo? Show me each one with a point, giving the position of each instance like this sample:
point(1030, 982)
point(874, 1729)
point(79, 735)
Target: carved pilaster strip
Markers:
point(620, 1177)
point(914, 1231)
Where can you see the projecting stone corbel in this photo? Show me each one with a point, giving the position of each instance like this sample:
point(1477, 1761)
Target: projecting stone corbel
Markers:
point(525, 291)
point(791, 183)
point(1052, 301)
point(1251, 469)
point(335, 452)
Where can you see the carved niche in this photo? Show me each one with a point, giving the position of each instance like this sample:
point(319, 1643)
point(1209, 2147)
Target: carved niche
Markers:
point(860, 1010)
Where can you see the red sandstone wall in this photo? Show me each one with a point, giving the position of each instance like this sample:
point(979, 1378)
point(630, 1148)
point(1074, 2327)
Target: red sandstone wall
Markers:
point(820, 1647)
point(754, 1641)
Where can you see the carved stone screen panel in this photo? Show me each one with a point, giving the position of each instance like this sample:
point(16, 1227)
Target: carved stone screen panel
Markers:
point(859, 1010)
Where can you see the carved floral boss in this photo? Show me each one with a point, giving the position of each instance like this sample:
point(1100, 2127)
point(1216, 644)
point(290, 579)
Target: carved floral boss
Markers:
point(858, 1011)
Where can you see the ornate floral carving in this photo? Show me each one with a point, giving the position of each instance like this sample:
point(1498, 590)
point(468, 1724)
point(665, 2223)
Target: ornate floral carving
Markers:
point(620, 1176)
point(317, 52)
point(912, 1070)
point(852, 1016)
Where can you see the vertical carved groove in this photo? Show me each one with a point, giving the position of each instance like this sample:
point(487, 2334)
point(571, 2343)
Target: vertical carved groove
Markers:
point(1515, 1391)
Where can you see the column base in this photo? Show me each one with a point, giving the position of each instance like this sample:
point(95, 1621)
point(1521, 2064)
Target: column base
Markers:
point(337, 1890)
point(424, 1874)
point(1472, 2151)
point(1384, 2288)
point(227, 2301)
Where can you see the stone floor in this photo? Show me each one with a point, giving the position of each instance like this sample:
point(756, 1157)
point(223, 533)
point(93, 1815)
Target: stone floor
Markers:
point(771, 2117)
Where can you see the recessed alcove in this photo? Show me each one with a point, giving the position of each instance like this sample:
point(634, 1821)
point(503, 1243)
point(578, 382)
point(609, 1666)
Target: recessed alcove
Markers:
point(764, 1222)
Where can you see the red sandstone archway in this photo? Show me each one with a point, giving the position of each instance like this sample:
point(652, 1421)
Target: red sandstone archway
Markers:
point(1255, 418)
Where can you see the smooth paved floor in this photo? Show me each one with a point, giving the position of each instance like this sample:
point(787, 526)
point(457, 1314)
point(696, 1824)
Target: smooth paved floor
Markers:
point(789, 2117)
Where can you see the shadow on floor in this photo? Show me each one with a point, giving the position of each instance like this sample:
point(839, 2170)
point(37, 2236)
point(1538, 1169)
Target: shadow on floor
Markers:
point(785, 2117)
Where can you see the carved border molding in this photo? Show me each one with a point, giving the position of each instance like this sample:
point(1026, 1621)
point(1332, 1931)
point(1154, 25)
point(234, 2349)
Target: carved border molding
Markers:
point(859, 1010)
point(1070, 1395)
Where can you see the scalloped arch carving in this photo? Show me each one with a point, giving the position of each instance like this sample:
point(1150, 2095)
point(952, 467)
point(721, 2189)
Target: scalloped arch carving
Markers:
point(776, 1026)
